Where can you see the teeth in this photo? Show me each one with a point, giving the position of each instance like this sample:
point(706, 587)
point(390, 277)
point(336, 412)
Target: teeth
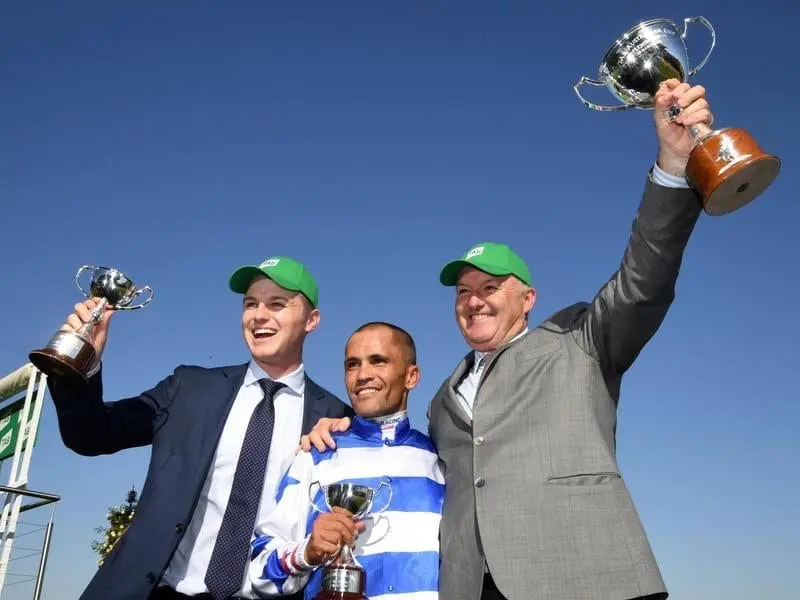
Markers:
point(364, 391)
point(264, 331)
point(480, 317)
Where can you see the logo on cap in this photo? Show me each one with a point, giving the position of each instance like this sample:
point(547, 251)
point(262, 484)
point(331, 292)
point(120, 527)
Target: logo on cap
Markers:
point(477, 251)
point(272, 262)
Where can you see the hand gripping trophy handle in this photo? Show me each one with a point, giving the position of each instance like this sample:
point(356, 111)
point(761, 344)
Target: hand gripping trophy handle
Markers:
point(701, 130)
point(70, 355)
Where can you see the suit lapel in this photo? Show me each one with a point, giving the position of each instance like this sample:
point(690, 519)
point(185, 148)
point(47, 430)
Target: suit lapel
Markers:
point(313, 405)
point(451, 396)
point(221, 395)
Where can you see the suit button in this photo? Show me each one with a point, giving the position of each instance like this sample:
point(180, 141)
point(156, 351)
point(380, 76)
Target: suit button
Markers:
point(151, 577)
point(179, 528)
point(480, 482)
point(479, 440)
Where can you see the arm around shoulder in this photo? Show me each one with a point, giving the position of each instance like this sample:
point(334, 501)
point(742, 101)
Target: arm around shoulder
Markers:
point(90, 426)
point(628, 310)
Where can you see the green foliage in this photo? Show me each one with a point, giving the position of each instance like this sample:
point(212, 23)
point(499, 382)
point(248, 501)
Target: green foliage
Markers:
point(118, 518)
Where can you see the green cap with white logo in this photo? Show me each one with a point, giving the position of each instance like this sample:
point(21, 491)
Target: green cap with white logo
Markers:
point(491, 258)
point(286, 272)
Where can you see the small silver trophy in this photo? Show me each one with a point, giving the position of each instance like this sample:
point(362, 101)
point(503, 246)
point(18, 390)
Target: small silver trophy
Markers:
point(70, 355)
point(343, 578)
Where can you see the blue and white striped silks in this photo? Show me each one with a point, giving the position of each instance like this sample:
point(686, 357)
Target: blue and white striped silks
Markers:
point(399, 549)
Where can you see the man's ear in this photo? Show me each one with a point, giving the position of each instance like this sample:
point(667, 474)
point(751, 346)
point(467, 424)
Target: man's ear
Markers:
point(312, 320)
point(412, 377)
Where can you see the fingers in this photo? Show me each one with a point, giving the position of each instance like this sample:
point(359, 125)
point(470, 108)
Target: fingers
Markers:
point(691, 101)
point(81, 314)
point(315, 439)
point(681, 94)
point(320, 436)
point(336, 528)
point(325, 544)
point(696, 112)
point(342, 424)
point(359, 526)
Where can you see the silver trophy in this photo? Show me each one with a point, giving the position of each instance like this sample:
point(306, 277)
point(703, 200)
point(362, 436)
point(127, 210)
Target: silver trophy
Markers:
point(342, 576)
point(70, 355)
point(727, 167)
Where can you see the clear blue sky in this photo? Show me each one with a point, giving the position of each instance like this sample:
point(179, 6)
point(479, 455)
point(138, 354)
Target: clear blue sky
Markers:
point(375, 141)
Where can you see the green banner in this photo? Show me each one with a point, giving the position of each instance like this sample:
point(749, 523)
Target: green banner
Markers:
point(10, 426)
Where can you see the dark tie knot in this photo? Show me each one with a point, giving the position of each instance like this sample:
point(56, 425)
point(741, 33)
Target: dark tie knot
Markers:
point(270, 387)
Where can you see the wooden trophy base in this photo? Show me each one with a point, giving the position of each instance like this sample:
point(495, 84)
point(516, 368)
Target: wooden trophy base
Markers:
point(343, 582)
point(66, 358)
point(728, 169)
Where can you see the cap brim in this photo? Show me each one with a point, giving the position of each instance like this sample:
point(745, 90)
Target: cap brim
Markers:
point(452, 270)
point(241, 278)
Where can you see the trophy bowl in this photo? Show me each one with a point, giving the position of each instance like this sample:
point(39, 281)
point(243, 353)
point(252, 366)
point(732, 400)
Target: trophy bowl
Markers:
point(70, 355)
point(727, 168)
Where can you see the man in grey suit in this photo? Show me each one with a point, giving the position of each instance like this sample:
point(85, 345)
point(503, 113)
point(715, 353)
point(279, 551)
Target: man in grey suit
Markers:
point(535, 505)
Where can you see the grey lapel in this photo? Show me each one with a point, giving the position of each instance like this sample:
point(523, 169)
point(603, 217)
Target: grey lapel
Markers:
point(451, 397)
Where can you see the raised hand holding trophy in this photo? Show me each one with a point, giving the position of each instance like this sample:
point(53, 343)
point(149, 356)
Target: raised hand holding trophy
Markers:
point(726, 167)
point(343, 578)
point(70, 355)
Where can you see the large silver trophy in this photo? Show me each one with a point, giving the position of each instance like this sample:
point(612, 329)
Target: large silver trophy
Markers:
point(727, 167)
point(343, 578)
point(70, 355)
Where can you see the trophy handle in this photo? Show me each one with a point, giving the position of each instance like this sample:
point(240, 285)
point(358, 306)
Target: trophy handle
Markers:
point(388, 502)
point(311, 497)
point(586, 81)
point(703, 21)
point(78, 278)
point(146, 288)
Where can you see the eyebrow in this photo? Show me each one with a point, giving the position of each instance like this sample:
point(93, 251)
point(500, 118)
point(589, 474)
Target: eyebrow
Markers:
point(497, 280)
point(370, 357)
point(269, 298)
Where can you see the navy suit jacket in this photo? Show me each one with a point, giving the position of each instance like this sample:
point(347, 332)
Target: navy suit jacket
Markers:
point(182, 417)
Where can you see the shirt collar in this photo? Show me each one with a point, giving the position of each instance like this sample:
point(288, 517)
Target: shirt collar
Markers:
point(477, 361)
point(370, 430)
point(295, 380)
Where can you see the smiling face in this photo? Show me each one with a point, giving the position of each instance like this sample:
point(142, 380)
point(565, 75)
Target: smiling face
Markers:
point(379, 371)
point(491, 311)
point(275, 323)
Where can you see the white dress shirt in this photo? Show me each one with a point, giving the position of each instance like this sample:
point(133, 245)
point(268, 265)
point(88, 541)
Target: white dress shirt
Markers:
point(467, 388)
point(187, 570)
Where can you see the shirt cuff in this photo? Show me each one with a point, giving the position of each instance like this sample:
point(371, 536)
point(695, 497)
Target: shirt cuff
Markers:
point(95, 368)
point(661, 177)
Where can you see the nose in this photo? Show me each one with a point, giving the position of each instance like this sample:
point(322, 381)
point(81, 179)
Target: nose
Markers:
point(262, 312)
point(475, 302)
point(364, 374)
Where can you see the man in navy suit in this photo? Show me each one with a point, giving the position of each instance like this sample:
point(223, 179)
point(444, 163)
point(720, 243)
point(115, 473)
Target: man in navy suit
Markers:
point(221, 440)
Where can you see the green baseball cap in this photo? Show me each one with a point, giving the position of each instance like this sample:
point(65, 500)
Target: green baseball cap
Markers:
point(491, 258)
point(286, 272)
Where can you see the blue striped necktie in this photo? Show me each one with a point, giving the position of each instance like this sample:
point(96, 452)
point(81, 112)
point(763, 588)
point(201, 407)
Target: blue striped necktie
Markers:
point(228, 563)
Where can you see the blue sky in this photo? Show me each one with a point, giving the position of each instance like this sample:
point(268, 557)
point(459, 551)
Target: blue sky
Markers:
point(374, 142)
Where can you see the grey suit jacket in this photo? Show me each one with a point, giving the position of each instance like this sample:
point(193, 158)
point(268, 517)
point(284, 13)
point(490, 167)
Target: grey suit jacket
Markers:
point(532, 481)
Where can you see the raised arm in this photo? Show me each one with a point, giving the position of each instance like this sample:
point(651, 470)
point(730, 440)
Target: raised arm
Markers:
point(90, 426)
point(628, 310)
